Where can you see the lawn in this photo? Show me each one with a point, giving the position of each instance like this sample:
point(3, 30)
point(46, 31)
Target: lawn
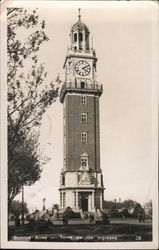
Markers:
point(116, 231)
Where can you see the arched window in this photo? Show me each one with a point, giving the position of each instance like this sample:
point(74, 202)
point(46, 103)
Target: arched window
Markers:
point(80, 37)
point(84, 162)
point(75, 37)
point(63, 180)
point(82, 85)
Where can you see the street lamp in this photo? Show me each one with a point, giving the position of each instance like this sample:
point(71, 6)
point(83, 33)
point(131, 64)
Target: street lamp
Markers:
point(44, 199)
point(22, 205)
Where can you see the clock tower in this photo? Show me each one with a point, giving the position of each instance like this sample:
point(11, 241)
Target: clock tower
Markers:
point(81, 179)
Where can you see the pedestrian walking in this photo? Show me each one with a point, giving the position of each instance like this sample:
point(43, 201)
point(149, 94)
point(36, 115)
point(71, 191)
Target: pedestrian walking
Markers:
point(90, 217)
point(143, 217)
point(65, 220)
point(140, 217)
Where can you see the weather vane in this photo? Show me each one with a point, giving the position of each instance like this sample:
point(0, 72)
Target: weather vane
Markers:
point(79, 14)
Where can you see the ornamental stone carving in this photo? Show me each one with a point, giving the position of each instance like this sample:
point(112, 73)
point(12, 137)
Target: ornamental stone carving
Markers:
point(85, 179)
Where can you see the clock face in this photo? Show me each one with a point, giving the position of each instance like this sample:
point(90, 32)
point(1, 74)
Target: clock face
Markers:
point(82, 68)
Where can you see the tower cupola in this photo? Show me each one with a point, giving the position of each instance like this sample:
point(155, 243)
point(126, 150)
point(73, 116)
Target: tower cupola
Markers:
point(79, 36)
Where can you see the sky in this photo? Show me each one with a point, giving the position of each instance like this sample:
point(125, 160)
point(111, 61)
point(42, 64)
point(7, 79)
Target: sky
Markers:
point(124, 39)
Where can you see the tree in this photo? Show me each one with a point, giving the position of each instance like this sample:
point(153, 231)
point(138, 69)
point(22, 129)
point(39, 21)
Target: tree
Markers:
point(28, 96)
point(148, 207)
point(125, 212)
point(117, 209)
point(69, 212)
point(56, 206)
point(16, 208)
point(108, 204)
point(24, 167)
point(137, 210)
point(125, 204)
point(128, 204)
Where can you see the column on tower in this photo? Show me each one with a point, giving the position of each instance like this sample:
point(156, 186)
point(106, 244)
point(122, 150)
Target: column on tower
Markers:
point(71, 42)
point(77, 40)
point(76, 198)
point(89, 202)
point(84, 40)
point(64, 200)
point(61, 199)
point(93, 199)
point(101, 200)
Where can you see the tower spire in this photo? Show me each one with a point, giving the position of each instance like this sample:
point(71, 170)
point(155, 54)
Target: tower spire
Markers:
point(79, 14)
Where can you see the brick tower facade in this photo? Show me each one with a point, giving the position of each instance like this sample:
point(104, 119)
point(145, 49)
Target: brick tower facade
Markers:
point(81, 180)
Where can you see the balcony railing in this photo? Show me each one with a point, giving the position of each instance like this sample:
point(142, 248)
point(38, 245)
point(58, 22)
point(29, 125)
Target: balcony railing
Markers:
point(82, 51)
point(93, 87)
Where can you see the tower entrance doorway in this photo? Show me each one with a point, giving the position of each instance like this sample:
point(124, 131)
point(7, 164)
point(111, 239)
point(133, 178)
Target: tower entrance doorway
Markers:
point(84, 201)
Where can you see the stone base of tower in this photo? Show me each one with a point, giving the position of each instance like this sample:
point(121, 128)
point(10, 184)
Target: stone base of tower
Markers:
point(81, 199)
point(84, 196)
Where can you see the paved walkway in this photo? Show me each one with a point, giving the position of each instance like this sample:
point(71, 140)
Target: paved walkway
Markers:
point(130, 221)
point(112, 221)
point(73, 222)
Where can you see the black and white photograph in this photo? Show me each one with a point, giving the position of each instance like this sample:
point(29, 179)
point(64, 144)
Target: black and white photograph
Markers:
point(79, 124)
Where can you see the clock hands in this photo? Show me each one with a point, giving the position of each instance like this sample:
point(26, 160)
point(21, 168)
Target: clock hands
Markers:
point(85, 67)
